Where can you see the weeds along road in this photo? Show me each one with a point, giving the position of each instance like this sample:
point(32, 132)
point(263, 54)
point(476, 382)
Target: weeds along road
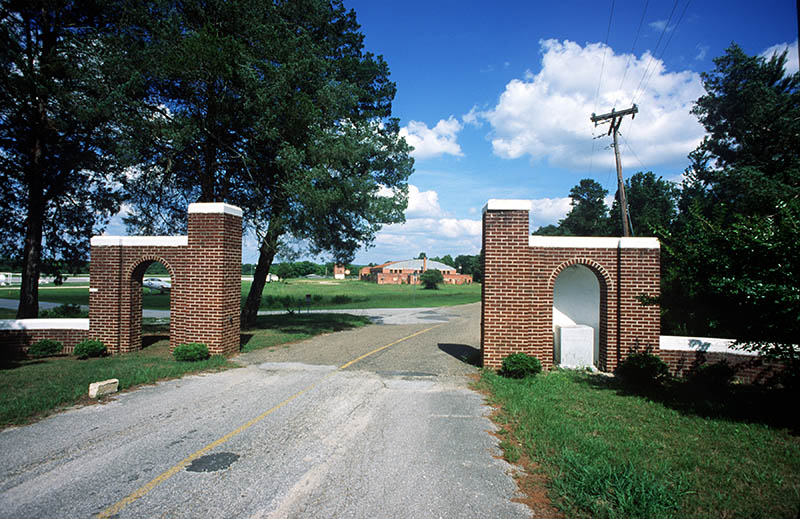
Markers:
point(301, 431)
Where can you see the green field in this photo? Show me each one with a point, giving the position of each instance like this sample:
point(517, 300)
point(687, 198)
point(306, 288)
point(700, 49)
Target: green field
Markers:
point(32, 388)
point(675, 453)
point(325, 294)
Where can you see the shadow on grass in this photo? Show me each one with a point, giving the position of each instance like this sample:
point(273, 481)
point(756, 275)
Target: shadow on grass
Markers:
point(149, 340)
point(463, 352)
point(736, 402)
point(312, 324)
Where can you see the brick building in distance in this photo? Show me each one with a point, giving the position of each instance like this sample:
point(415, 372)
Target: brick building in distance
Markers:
point(408, 272)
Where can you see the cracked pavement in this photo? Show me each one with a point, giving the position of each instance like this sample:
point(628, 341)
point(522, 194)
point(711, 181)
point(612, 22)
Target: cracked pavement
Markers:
point(289, 434)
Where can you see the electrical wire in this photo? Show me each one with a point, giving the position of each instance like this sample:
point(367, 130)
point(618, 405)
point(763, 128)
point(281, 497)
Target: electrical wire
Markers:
point(655, 51)
point(633, 49)
point(600, 80)
point(672, 33)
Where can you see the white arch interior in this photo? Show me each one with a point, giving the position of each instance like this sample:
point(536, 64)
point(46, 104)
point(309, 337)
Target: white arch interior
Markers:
point(576, 301)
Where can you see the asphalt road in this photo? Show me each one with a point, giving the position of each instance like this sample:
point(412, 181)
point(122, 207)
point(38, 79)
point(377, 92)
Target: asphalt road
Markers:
point(301, 431)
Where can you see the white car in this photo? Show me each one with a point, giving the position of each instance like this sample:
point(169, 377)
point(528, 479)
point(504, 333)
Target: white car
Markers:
point(156, 284)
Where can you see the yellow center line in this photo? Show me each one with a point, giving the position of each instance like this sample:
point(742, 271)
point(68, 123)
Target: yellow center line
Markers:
point(142, 491)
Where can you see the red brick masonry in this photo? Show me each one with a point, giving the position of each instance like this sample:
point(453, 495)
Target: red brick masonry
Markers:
point(517, 295)
point(205, 273)
point(17, 335)
point(520, 273)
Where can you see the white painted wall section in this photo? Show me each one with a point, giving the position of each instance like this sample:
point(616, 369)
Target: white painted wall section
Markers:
point(495, 204)
point(44, 324)
point(140, 241)
point(593, 242)
point(576, 301)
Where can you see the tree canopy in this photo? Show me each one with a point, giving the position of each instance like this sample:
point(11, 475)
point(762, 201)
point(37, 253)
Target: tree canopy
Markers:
point(64, 102)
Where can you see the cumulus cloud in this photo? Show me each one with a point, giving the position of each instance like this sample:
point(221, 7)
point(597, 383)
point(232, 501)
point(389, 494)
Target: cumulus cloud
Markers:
point(791, 55)
point(432, 142)
point(546, 115)
point(422, 203)
point(546, 211)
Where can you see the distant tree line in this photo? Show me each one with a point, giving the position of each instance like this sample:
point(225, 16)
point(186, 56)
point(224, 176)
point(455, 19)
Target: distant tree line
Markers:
point(730, 230)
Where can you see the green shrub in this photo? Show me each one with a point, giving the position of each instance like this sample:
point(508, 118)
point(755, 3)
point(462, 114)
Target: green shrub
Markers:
point(431, 278)
point(191, 352)
point(67, 310)
point(45, 348)
point(642, 368)
point(90, 348)
point(717, 375)
point(341, 300)
point(520, 365)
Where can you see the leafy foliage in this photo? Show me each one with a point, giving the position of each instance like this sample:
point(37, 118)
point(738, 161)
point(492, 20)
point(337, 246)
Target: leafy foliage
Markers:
point(45, 348)
point(713, 376)
point(90, 348)
point(520, 365)
point(589, 214)
point(191, 352)
point(730, 260)
point(64, 100)
point(642, 369)
point(66, 310)
point(431, 278)
point(651, 205)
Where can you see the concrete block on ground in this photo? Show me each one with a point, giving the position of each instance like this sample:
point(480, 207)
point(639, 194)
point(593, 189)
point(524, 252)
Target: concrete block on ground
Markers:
point(105, 387)
point(575, 346)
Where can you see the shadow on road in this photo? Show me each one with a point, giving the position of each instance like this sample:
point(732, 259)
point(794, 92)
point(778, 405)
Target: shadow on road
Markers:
point(463, 352)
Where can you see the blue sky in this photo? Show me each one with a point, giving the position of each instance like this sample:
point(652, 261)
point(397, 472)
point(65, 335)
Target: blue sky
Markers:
point(496, 99)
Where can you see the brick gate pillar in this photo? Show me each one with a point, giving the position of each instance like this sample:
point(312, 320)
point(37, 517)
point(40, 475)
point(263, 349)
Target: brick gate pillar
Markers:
point(507, 289)
point(209, 306)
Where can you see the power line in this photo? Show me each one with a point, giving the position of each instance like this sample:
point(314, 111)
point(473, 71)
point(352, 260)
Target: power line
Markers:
point(633, 48)
point(663, 51)
point(600, 79)
point(655, 50)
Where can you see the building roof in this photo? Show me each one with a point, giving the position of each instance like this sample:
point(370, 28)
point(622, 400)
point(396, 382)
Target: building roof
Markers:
point(417, 264)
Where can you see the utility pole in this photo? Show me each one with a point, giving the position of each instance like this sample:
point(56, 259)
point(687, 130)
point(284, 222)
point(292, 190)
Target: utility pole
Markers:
point(615, 119)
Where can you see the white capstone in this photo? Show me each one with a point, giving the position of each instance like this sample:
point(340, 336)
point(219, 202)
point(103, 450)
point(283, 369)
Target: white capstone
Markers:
point(215, 208)
point(575, 346)
point(507, 205)
point(592, 242)
point(105, 387)
point(44, 324)
point(140, 241)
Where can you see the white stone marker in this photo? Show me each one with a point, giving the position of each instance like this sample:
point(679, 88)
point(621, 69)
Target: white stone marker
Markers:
point(575, 346)
point(105, 387)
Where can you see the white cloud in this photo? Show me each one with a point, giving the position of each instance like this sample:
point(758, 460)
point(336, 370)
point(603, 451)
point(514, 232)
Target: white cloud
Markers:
point(473, 117)
point(546, 115)
point(546, 211)
point(432, 142)
point(791, 55)
point(702, 51)
point(660, 25)
point(422, 204)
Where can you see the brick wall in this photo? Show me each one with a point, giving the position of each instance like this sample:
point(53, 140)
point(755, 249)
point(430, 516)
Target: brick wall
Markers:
point(520, 274)
point(205, 274)
point(17, 335)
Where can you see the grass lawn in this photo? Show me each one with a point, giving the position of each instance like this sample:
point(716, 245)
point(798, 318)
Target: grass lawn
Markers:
point(325, 294)
point(30, 389)
point(609, 453)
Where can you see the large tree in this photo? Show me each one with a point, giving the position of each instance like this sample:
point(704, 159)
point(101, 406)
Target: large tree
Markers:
point(731, 257)
point(277, 108)
point(589, 213)
point(61, 89)
point(651, 204)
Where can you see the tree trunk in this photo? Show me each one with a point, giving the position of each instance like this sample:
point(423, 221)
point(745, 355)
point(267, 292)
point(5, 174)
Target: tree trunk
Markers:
point(31, 259)
point(266, 253)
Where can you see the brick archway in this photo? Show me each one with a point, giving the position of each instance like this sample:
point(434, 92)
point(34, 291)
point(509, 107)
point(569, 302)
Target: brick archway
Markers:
point(606, 283)
point(519, 274)
point(205, 270)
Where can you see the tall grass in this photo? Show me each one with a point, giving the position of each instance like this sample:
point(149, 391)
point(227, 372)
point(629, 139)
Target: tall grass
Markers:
point(609, 454)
